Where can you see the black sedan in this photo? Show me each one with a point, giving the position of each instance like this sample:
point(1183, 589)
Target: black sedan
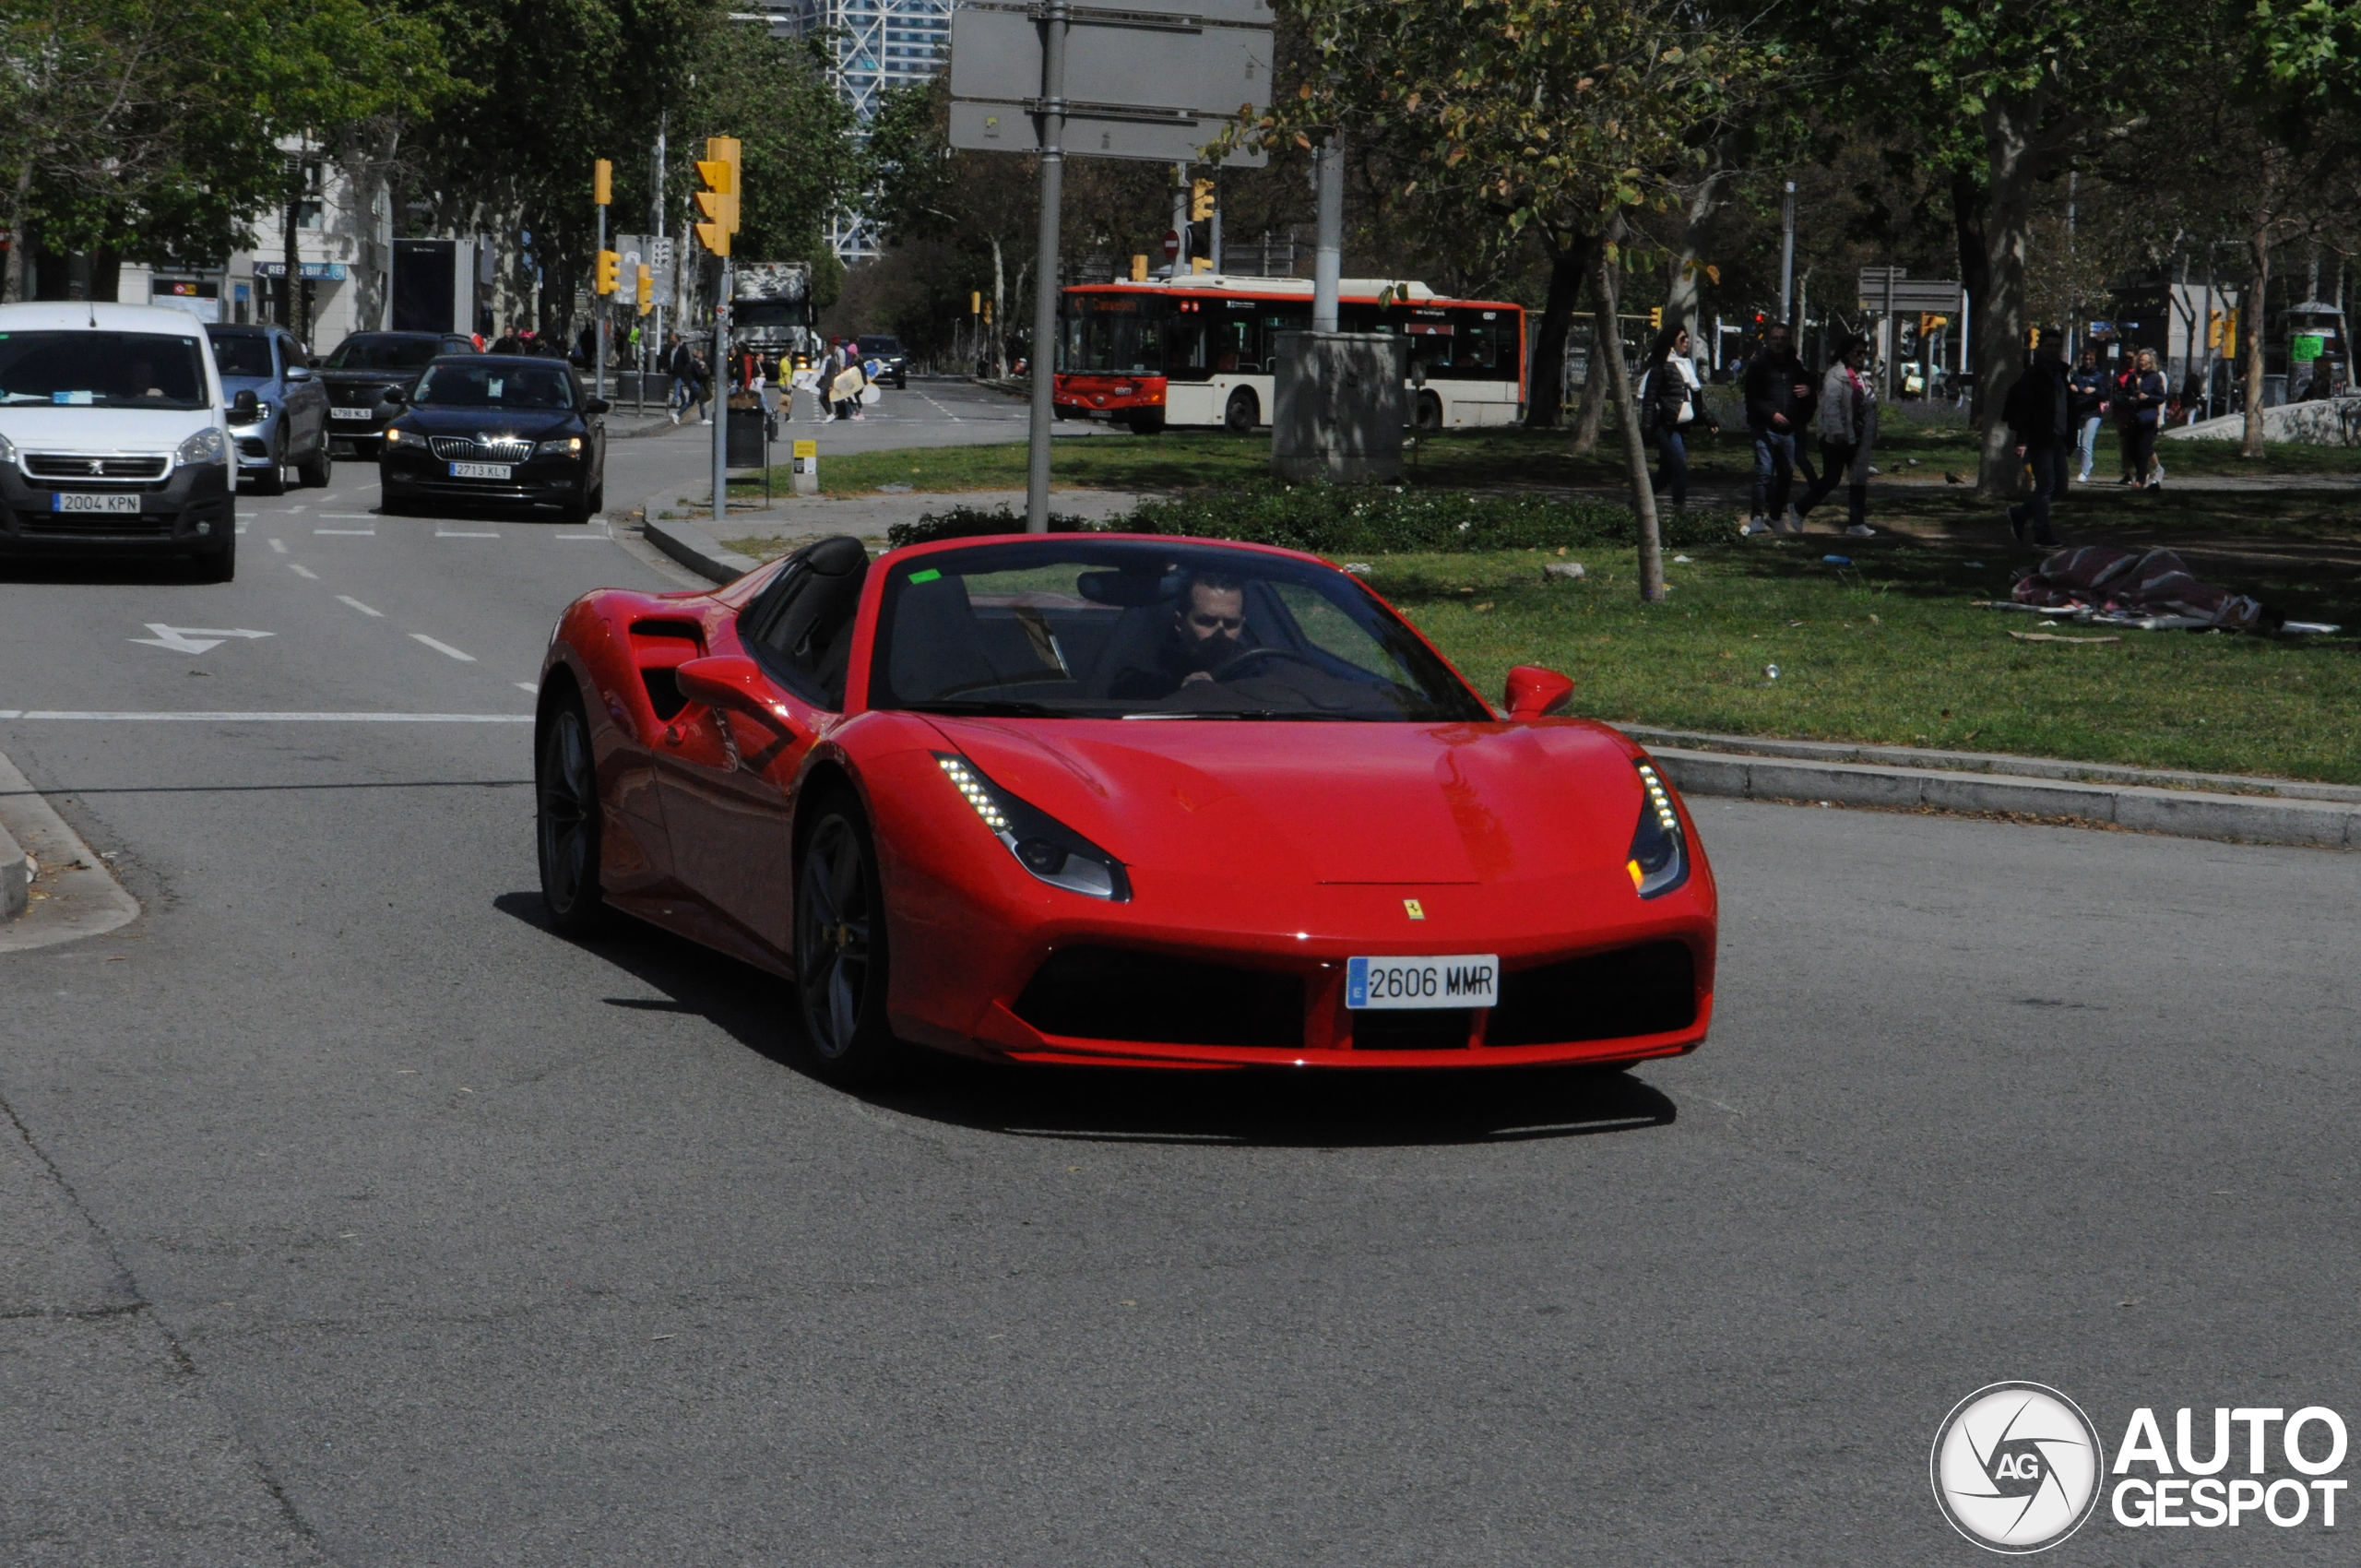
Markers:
point(497, 430)
point(885, 351)
point(365, 371)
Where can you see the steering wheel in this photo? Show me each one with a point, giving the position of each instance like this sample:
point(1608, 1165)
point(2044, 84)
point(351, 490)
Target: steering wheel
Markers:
point(1236, 668)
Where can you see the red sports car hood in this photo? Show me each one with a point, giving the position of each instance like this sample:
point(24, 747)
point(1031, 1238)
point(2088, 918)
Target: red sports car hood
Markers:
point(1283, 804)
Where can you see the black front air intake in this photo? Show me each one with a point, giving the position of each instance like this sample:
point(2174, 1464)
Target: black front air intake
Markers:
point(1110, 993)
point(1633, 990)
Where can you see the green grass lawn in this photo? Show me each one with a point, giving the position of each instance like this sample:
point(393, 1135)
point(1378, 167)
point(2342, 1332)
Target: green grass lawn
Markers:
point(1894, 652)
point(1478, 459)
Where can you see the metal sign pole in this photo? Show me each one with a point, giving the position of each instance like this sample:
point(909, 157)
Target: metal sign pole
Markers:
point(720, 404)
point(599, 315)
point(1045, 266)
point(1787, 257)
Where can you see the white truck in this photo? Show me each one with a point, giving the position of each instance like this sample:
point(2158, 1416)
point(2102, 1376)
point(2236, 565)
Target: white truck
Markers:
point(770, 312)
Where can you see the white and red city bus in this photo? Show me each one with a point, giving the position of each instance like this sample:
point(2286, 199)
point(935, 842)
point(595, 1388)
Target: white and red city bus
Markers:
point(1196, 350)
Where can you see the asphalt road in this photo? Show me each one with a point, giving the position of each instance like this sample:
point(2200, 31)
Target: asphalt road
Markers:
point(347, 1215)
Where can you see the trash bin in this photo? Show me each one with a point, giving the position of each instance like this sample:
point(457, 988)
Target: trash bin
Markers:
point(744, 445)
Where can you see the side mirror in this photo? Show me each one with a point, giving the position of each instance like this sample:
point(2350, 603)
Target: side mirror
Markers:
point(1536, 692)
point(596, 405)
point(314, 362)
point(733, 681)
point(245, 408)
point(396, 394)
point(298, 373)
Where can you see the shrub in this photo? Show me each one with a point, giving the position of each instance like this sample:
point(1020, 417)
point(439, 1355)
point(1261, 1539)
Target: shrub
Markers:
point(1330, 520)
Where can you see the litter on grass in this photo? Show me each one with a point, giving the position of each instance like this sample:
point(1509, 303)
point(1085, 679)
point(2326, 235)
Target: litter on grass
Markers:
point(2053, 637)
point(1837, 560)
point(2152, 590)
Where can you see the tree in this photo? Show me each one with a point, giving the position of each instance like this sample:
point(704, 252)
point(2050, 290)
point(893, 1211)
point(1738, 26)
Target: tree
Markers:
point(1556, 117)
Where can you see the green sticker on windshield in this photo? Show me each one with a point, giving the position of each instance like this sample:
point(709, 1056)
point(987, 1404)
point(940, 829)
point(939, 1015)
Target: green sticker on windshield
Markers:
point(927, 576)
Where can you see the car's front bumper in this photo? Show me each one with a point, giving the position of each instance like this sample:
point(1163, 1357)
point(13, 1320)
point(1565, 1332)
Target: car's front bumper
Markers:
point(192, 510)
point(256, 444)
point(542, 481)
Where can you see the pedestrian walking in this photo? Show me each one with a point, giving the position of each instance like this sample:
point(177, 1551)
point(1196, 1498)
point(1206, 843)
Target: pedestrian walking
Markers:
point(2122, 386)
point(1847, 422)
point(843, 381)
point(2040, 410)
point(2149, 392)
point(1777, 387)
point(2086, 391)
point(1672, 405)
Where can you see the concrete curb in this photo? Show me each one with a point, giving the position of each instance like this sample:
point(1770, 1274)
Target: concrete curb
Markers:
point(15, 877)
point(697, 549)
point(2183, 813)
point(73, 895)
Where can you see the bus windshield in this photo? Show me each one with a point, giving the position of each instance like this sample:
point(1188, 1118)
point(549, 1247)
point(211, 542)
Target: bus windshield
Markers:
point(1117, 337)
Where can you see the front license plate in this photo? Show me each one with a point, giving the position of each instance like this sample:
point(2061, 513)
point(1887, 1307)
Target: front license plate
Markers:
point(1468, 980)
point(479, 471)
point(62, 501)
point(352, 413)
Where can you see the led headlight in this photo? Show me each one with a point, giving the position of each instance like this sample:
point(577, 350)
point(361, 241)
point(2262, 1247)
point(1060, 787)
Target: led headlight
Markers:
point(393, 436)
point(1042, 844)
point(1659, 860)
point(262, 413)
point(567, 446)
point(204, 446)
point(7, 450)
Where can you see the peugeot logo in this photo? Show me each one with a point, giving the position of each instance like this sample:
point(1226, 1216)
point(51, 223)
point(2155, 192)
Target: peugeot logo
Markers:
point(98, 465)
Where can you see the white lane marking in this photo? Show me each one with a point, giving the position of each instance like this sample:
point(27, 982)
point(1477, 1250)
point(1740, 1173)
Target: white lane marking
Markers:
point(350, 533)
point(441, 533)
point(244, 523)
point(363, 608)
point(350, 516)
point(191, 639)
point(939, 409)
point(303, 570)
point(64, 714)
point(580, 536)
point(292, 510)
point(443, 647)
point(279, 545)
point(532, 686)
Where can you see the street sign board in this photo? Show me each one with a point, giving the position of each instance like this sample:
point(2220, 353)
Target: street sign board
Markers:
point(1156, 79)
point(1940, 295)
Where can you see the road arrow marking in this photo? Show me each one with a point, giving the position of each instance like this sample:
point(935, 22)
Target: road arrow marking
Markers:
point(191, 639)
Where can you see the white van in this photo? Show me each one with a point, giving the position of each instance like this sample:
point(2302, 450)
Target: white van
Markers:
point(114, 436)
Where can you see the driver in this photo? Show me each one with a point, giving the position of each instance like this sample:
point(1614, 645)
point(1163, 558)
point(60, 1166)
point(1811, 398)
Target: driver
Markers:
point(1207, 631)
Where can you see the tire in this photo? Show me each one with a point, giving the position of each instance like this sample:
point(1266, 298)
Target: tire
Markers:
point(568, 819)
point(577, 512)
point(1147, 421)
point(840, 961)
point(1430, 415)
point(320, 472)
point(1241, 415)
point(220, 566)
point(274, 482)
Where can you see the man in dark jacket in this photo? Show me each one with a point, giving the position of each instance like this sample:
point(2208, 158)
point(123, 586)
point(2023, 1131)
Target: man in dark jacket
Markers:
point(1776, 388)
point(2040, 410)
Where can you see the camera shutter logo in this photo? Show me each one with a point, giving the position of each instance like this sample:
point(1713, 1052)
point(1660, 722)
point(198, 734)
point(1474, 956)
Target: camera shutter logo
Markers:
point(2016, 1467)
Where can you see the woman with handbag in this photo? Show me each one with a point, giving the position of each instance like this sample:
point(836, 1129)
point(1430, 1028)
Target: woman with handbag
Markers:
point(1672, 403)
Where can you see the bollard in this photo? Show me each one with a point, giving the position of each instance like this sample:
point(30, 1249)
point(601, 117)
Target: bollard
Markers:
point(807, 467)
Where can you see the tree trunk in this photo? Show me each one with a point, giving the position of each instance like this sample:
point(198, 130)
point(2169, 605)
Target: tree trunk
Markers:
point(14, 287)
point(1643, 497)
point(1974, 275)
point(2012, 165)
point(2250, 320)
point(1683, 296)
point(290, 279)
point(1605, 344)
point(1000, 313)
point(1545, 381)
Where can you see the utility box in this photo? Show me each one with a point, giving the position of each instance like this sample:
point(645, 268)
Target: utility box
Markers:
point(744, 448)
point(1339, 406)
point(807, 467)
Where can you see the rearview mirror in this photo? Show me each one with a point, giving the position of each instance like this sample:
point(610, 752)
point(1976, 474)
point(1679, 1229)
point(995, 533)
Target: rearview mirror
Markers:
point(730, 681)
point(245, 408)
point(1537, 692)
point(596, 406)
point(396, 394)
point(299, 372)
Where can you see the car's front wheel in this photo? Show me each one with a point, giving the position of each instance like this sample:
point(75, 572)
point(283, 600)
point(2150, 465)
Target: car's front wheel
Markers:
point(840, 947)
point(566, 819)
point(319, 471)
point(273, 480)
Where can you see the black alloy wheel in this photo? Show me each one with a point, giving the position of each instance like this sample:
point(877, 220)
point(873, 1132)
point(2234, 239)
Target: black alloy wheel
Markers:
point(566, 819)
point(840, 948)
point(320, 471)
point(1240, 417)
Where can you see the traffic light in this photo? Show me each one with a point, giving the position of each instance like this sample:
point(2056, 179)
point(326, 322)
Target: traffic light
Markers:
point(602, 183)
point(1201, 200)
point(1656, 317)
point(609, 265)
point(975, 302)
point(718, 200)
point(647, 288)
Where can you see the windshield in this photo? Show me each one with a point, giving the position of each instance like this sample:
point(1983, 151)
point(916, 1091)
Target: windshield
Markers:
point(243, 353)
point(105, 370)
point(497, 386)
point(1114, 335)
point(880, 345)
point(369, 351)
point(1078, 628)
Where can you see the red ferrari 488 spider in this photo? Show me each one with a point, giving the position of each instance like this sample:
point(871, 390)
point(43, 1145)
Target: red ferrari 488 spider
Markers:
point(1117, 799)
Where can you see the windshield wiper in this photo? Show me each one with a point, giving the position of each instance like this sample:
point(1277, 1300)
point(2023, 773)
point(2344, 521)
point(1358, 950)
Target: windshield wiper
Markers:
point(990, 707)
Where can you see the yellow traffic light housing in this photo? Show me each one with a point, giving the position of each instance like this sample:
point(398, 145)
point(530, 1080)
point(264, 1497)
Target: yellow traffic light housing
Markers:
point(1201, 200)
point(645, 286)
point(1656, 317)
point(602, 183)
point(609, 264)
point(719, 201)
